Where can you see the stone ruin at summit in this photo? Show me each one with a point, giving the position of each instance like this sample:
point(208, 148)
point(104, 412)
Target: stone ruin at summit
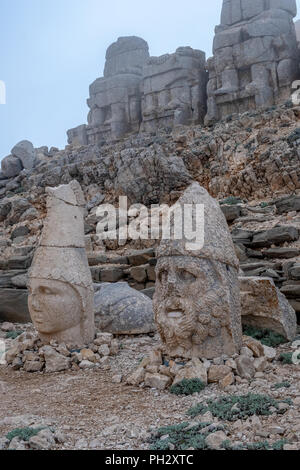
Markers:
point(255, 61)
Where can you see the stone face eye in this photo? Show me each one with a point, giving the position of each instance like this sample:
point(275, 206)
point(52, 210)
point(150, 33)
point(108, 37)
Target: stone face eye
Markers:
point(46, 291)
point(187, 276)
point(163, 275)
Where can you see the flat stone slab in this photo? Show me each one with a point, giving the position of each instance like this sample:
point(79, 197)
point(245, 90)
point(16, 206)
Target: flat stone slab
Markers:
point(14, 305)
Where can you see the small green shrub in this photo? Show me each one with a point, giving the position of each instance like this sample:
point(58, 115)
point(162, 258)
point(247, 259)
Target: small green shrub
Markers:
point(281, 385)
point(232, 408)
point(231, 200)
point(295, 135)
point(287, 358)
point(265, 336)
point(182, 437)
point(23, 433)
point(13, 334)
point(187, 387)
point(262, 445)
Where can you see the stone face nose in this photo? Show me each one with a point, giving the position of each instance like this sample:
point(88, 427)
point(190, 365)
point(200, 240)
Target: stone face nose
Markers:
point(172, 278)
point(35, 302)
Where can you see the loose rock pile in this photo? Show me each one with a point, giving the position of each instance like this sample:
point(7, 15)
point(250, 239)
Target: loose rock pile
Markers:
point(29, 354)
point(160, 371)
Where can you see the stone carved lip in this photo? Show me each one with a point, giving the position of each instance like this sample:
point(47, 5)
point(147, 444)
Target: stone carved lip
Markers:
point(175, 314)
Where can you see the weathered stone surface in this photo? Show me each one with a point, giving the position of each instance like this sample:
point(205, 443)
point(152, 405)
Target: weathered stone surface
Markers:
point(254, 345)
point(231, 212)
point(218, 373)
point(197, 302)
point(174, 89)
point(6, 278)
point(276, 235)
point(13, 305)
point(33, 366)
point(282, 253)
point(245, 367)
point(255, 57)
point(24, 150)
point(215, 440)
point(111, 274)
point(122, 310)
point(11, 166)
point(60, 282)
point(227, 380)
point(44, 440)
point(138, 273)
point(264, 306)
point(55, 362)
point(136, 377)
point(159, 381)
point(288, 204)
point(193, 370)
point(5, 207)
point(294, 272)
point(269, 353)
point(141, 92)
point(136, 171)
point(115, 99)
point(20, 231)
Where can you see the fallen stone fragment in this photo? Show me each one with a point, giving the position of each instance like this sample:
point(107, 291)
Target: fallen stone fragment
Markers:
point(33, 366)
point(254, 345)
point(86, 365)
point(245, 367)
point(161, 382)
point(215, 440)
point(136, 377)
point(55, 362)
point(218, 373)
point(264, 306)
point(195, 369)
point(44, 440)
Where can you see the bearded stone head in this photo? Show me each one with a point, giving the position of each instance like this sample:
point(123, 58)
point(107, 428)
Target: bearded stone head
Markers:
point(192, 306)
point(197, 299)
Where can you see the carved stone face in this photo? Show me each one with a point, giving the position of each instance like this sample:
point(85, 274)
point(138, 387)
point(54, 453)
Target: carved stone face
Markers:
point(192, 306)
point(54, 306)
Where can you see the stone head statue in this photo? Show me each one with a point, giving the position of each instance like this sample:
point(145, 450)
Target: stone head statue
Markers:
point(61, 296)
point(197, 299)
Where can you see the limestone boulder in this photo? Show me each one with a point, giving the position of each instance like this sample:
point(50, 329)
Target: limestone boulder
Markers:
point(55, 362)
point(119, 309)
point(24, 150)
point(264, 306)
point(195, 369)
point(11, 166)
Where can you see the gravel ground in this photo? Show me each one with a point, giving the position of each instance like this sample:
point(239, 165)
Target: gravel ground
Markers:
point(91, 411)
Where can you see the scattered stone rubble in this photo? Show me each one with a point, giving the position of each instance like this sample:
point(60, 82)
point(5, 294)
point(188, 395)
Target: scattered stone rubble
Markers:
point(160, 371)
point(28, 353)
point(84, 422)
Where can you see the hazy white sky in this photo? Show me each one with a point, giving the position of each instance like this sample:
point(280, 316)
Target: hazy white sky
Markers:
point(53, 49)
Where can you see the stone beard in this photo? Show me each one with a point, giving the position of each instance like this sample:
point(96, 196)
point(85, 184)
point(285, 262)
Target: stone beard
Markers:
point(196, 307)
